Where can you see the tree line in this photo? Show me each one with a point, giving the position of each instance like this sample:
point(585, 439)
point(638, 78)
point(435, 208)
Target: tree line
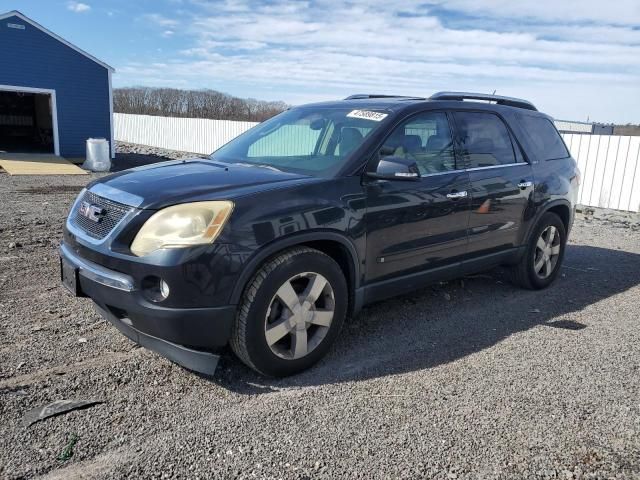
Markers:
point(171, 102)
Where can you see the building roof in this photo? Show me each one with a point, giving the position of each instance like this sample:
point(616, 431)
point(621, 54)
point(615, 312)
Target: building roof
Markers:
point(15, 13)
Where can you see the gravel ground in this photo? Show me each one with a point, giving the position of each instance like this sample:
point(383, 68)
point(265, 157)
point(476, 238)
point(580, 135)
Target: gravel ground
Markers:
point(467, 379)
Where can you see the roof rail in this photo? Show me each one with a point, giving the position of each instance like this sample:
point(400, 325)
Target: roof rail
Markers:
point(509, 101)
point(360, 96)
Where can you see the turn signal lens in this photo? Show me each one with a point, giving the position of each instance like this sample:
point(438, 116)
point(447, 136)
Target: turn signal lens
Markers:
point(182, 226)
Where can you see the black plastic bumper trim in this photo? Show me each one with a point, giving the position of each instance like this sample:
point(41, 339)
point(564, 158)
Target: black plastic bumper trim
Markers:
point(196, 360)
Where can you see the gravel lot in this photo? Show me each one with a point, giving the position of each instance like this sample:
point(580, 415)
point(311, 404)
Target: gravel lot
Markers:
point(468, 379)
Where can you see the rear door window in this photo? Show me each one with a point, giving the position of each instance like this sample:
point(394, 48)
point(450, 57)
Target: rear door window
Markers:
point(544, 137)
point(483, 139)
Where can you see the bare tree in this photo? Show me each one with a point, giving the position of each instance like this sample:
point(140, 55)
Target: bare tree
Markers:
point(171, 102)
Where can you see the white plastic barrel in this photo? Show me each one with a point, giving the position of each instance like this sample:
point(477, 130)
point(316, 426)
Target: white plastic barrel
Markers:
point(97, 155)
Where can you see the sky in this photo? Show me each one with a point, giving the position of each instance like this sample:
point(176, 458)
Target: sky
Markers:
point(574, 59)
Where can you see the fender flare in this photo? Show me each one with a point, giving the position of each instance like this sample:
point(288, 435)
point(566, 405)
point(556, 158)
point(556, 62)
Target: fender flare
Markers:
point(266, 251)
point(541, 211)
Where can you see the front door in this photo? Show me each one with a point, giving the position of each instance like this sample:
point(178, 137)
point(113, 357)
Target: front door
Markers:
point(422, 224)
point(501, 181)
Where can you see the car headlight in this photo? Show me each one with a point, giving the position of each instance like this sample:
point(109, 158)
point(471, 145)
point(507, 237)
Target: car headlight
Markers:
point(182, 226)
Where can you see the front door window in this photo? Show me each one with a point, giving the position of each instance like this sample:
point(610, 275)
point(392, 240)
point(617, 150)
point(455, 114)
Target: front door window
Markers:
point(425, 139)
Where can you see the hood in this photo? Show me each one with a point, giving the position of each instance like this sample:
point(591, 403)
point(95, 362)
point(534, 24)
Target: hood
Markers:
point(168, 183)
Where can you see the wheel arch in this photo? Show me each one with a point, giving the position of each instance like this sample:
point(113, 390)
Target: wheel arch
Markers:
point(563, 210)
point(561, 207)
point(333, 244)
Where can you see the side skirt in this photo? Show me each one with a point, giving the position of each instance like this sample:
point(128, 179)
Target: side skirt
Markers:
point(407, 283)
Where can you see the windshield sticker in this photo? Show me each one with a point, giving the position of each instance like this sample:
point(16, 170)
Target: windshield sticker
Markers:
point(367, 115)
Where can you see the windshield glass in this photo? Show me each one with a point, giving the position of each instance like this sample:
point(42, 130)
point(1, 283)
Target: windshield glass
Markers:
point(307, 140)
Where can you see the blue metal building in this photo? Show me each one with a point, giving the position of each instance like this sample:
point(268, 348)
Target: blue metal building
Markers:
point(53, 95)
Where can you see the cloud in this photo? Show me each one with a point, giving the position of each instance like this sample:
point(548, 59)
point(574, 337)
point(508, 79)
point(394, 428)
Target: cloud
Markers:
point(532, 48)
point(168, 33)
point(160, 20)
point(618, 12)
point(78, 7)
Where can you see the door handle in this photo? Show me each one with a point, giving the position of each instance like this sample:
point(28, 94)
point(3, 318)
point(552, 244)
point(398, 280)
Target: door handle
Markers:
point(456, 195)
point(524, 184)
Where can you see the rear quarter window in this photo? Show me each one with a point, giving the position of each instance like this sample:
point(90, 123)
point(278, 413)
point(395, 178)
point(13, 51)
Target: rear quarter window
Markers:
point(544, 137)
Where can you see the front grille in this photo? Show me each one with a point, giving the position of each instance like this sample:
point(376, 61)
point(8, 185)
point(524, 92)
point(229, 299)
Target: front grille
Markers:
point(114, 212)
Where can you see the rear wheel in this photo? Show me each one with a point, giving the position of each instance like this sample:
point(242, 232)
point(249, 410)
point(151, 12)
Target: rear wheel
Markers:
point(543, 257)
point(291, 312)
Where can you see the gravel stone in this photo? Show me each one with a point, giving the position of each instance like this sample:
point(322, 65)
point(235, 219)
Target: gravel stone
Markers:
point(457, 380)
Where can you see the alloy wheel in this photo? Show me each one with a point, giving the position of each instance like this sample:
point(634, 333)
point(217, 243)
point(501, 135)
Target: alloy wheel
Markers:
point(547, 252)
point(299, 315)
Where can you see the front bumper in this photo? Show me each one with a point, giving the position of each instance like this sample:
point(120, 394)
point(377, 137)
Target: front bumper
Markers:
point(183, 335)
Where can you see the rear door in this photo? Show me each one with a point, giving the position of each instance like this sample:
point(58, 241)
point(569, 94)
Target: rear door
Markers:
point(418, 225)
point(501, 181)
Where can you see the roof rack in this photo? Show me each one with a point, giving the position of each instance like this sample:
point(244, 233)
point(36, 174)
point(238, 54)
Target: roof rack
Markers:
point(360, 96)
point(509, 101)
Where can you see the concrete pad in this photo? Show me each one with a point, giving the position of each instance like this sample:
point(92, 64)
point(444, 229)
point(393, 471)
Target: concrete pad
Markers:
point(37, 164)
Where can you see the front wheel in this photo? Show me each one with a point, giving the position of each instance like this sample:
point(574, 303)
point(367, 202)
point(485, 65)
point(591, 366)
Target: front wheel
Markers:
point(542, 260)
point(291, 312)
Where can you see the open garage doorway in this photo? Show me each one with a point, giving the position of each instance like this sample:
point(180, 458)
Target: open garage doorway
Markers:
point(28, 120)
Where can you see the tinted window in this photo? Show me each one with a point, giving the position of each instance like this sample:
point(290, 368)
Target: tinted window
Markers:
point(544, 137)
point(309, 140)
point(426, 139)
point(484, 139)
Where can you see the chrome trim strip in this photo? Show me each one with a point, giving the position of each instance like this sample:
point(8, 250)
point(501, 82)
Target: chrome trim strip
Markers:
point(441, 173)
point(116, 195)
point(496, 166)
point(473, 169)
point(98, 273)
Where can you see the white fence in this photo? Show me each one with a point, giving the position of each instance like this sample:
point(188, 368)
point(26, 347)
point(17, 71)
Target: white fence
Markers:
point(610, 165)
point(196, 135)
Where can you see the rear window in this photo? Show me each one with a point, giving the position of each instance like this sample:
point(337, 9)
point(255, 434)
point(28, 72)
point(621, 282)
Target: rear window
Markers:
point(544, 137)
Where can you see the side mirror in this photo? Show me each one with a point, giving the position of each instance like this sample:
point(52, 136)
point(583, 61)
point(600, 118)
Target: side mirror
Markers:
point(396, 168)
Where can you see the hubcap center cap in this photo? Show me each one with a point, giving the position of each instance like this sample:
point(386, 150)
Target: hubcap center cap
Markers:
point(302, 314)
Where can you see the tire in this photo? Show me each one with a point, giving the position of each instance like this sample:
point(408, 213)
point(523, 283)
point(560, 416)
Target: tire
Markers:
point(525, 273)
point(268, 303)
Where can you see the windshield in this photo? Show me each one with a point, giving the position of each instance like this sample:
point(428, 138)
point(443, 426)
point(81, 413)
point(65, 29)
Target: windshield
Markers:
point(312, 141)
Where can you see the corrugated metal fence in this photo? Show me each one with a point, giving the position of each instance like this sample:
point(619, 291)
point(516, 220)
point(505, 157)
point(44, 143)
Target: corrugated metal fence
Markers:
point(196, 135)
point(610, 165)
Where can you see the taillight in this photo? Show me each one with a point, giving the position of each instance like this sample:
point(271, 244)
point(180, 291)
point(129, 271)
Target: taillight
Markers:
point(578, 176)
